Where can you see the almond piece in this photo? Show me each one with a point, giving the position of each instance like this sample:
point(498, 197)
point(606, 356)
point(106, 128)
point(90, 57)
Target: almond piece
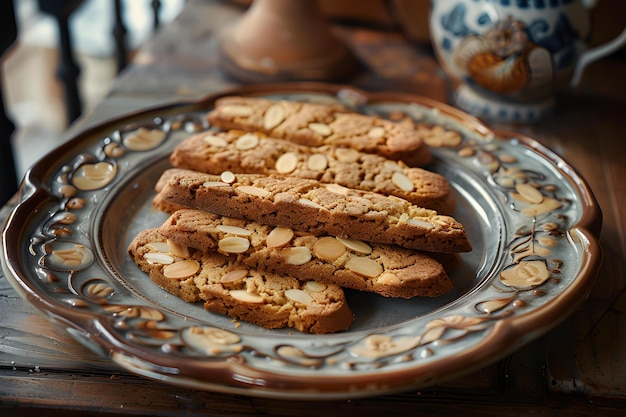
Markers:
point(228, 177)
point(328, 248)
point(388, 279)
point(347, 155)
point(158, 258)
point(315, 286)
point(215, 184)
point(247, 142)
point(274, 116)
point(317, 162)
point(246, 297)
point(420, 223)
point(233, 230)
point(181, 269)
point(286, 163)
point(215, 141)
point(237, 110)
point(234, 276)
point(376, 132)
point(355, 245)
point(296, 256)
point(159, 246)
point(392, 166)
point(402, 181)
point(176, 249)
point(233, 244)
point(364, 266)
point(321, 128)
point(298, 296)
point(309, 203)
point(278, 237)
point(252, 190)
point(337, 189)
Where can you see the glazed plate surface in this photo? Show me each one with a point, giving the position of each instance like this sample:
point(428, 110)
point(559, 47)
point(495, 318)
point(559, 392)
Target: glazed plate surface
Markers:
point(531, 219)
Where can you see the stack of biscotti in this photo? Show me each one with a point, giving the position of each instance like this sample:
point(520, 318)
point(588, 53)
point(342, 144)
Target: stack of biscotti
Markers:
point(256, 153)
point(225, 287)
point(298, 196)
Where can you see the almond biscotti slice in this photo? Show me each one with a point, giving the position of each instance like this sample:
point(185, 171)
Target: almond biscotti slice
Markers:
point(243, 293)
point(386, 270)
point(320, 209)
point(152, 253)
point(255, 153)
point(314, 124)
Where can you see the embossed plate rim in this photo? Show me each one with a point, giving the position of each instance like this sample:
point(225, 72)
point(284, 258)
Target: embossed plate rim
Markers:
point(488, 337)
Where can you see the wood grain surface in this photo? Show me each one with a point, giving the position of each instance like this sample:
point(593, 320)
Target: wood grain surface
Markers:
point(578, 369)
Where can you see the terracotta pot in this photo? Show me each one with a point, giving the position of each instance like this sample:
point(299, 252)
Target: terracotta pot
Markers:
point(279, 40)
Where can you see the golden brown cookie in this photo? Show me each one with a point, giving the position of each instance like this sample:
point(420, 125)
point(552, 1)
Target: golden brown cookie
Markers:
point(254, 153)
point(312, 124)
point(241, 292)
point(320, 209)
point(386, 270)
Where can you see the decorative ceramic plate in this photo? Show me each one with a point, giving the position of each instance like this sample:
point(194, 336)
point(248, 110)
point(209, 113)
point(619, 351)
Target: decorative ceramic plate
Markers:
point(530, 218)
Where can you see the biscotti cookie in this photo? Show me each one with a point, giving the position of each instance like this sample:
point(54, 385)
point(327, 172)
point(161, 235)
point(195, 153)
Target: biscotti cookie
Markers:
point(260, 298)
point(150, 249)
point(320, 209)
point(255, 153)
point(386, 270)
point(313, 124)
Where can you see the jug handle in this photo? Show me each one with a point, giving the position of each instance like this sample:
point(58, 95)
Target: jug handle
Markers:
point(596, 53)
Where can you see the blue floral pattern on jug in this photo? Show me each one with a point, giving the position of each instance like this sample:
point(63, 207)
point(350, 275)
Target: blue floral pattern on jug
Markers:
point(509, 42)
point(513, 53)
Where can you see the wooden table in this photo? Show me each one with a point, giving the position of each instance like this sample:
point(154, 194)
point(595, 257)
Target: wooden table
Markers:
point(577, 369)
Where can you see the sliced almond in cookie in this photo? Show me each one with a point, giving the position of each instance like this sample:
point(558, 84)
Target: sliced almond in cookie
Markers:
point(247, 141)
point(402, 181)
point(237, 110)
point(337, 189)
point(252, 190)
point(274, 116)
point(234, 276)
point(376, 132)
point(176, 249)
point(296, 256)
point(233, 230)
point(233, 244)
point(158, 258)
point(159, 246)
point(181, 269)
point(278, 237)
point(315, 286)
point(321, 128)
point(364, 266)
point(246, 297)
point(317, 162)
point(389, 279)
point(215, 141)
point(286, 163)
point(328, 248)
point(355, 245)
point(347, 155)
point(298, 296)
point(307, 202)
point(228, 177)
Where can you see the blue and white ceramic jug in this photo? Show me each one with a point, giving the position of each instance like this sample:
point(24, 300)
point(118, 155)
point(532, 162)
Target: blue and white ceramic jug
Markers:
point(511, 57)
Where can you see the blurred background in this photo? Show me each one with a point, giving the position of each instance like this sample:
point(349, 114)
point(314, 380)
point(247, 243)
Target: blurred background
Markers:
point(34, 95)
